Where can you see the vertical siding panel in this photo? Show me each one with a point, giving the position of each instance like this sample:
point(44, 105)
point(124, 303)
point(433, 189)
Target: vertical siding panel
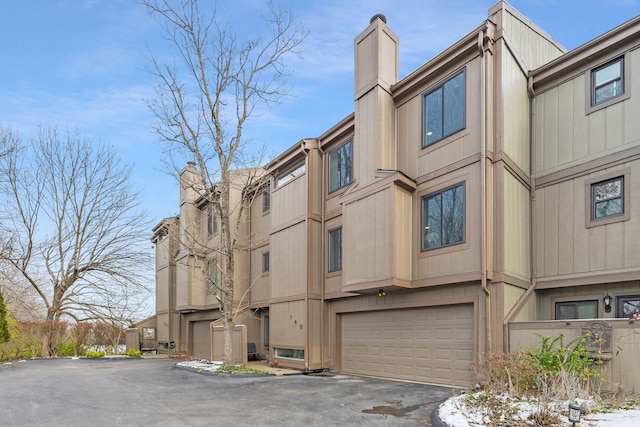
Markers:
point(614, 245)
point(580, 121)
point(565, 124)
point(551, 231)
point(565, 227)
point(550, 132)
point(597, 129)
point(580, 232)
point(597, 248)
point(614, 128)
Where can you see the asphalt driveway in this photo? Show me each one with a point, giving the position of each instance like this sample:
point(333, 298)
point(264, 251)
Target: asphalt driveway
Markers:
point(153, 392)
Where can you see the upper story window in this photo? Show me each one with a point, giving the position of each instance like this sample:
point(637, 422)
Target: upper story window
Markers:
point(212, 223)
point(340, 166)
point(290, 174)
point(444, 110)
point(607, 81)
point(265, 262)
point(443, 218)
point(607, 198)
point(335, 249)
point(266, 201)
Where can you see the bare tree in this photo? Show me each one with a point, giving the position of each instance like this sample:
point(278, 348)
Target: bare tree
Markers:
point(202, 107)
point(74, 230)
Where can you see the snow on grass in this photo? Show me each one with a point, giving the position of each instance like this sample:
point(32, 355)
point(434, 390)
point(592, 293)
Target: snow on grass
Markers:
point(201, 365)
point(458, 412)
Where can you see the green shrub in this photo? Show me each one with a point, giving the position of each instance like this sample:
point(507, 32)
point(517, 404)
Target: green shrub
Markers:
point(67, 349)
point(554, 357)
point(132, 353)
point(95, 354)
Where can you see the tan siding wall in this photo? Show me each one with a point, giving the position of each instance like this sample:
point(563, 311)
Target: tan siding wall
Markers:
point(365, 149)
point(458, 259)
point(417, 162)
point(526, 38)
point(510, 296)
point(288, 324)
point(517, 225)
point(566, 136)
point(366, 238)
point(289, 261)
point(516, 113)
point(566, 246)
point(289, 202)
point(403, 244)
point(260, 291)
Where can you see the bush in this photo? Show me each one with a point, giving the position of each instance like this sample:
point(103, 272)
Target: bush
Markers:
point(67, 349)
point(132, 353)
point(95, 354)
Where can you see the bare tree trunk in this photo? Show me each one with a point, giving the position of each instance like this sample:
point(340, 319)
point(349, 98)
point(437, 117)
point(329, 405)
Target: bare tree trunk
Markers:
point(232, 81)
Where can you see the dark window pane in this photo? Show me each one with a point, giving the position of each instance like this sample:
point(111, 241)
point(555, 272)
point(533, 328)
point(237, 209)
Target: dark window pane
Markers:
point(340, 167)
point(443, 218)
point(577, 310)
point(454, 105)
point(433, 104)
point(335, 249)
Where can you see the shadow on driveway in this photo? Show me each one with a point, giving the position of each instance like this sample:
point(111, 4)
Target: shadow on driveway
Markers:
point(154, 392)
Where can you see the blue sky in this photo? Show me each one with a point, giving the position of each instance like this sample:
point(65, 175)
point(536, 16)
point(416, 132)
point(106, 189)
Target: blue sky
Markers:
point(80, 64)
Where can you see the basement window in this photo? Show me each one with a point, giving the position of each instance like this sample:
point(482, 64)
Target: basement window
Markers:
point(290, 353)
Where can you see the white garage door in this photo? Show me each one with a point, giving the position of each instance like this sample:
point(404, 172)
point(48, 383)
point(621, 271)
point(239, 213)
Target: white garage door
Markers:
point(422, 344)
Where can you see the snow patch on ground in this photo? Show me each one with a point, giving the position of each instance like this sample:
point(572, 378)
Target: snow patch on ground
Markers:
point(455, 412)
point(201, 365)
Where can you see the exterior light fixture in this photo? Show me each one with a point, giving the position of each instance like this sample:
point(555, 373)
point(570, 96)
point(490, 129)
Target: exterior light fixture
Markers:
point(575, 412)
point(607, 303)
point(381, 293)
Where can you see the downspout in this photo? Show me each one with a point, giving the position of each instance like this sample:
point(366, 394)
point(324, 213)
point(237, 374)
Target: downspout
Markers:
point(532, 226)
point(322, 252)
point(303, 146)
point(483, 189)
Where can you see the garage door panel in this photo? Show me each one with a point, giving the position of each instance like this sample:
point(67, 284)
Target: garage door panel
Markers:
point(433, 344)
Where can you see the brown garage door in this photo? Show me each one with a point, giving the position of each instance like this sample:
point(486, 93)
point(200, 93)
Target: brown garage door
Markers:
point(432, 344)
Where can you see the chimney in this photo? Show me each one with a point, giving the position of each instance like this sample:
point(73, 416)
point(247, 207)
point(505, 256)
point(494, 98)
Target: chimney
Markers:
point(376, 70)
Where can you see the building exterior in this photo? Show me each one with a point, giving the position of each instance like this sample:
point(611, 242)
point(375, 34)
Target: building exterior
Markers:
point(495, 185)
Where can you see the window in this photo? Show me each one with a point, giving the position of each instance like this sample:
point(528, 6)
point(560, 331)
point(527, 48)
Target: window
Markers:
point(266, 201)
point(290, 353)
point(266, 330)
point(577, 310)
point(148, 333)
point(607, 198)
point(607, 81)
point(444, 110)
point(289, 174)
point(265, 262)
point(212, 223)
point(335, 249)
point(442, 220)
point(628, 306)
point(340, 166)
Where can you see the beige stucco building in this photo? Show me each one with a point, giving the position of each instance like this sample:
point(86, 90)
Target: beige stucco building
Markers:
point(494, 187)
